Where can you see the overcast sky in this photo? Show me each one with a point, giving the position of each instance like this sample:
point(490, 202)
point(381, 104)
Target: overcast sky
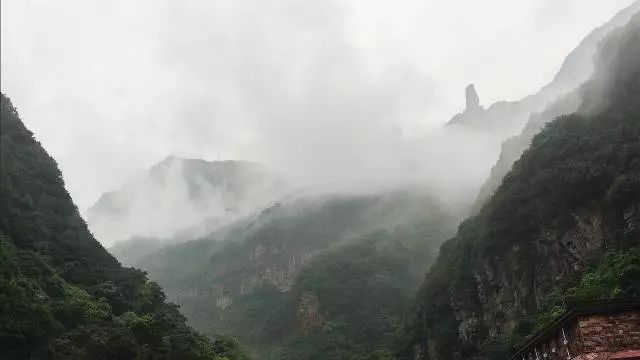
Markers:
point(111, 87)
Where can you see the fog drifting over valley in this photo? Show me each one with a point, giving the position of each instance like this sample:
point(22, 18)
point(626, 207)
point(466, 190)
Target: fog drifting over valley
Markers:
point(346, 95)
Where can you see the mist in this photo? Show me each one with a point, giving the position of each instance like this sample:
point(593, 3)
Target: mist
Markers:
point(343, 96)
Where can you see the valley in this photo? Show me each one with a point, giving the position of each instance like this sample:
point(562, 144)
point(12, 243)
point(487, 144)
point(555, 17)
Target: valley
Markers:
point(475, 240)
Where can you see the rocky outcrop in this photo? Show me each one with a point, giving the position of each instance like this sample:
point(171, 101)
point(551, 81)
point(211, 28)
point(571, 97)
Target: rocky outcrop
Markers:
point(231, 278)
point(264, 266)
point(507, 118)
point(308, 313)
point(473, 113)
point(508, 289)
point(473, 101)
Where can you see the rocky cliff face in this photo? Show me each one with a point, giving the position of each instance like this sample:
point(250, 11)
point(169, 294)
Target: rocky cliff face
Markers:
point(472, 99)
point(308, 313)
point(263, 266)
point(508, 289)
point(571, 196)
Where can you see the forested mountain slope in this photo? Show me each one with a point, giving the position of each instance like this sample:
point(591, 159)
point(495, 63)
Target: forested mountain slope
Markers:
point(62, 295)
point(322, 276)
point(579, 64)
point(563, 226)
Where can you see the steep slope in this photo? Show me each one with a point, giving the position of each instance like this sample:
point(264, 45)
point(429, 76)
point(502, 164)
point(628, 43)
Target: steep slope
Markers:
point(62, 296)
point(350, 302)
point(571, 198)
point(179, 194)
point(578, 65)
point(507, 118)
point(514, 146)
point(317, 255)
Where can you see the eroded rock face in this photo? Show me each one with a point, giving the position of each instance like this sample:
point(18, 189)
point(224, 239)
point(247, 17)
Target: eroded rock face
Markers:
point(308, 313)
point(473, 101)
point(263, 265)
point(506, 289)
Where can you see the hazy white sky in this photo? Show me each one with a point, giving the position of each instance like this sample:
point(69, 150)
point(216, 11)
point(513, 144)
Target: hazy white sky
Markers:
point(111, 87)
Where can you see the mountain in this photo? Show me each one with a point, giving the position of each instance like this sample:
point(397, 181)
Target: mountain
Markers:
point(182, 195)
point(63, 295)
point(507, 118)
point(303, 273)
point(563, 226)
point(578, 65)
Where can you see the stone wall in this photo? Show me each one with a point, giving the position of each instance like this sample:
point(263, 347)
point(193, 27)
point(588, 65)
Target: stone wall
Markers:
point(613, 332)
point(592, 337)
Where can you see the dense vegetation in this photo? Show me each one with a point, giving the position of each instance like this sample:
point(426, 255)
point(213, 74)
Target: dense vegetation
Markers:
point(363, 290)
point(616, 275)
point(588, 162)
point(63, 296)
point(360, 256)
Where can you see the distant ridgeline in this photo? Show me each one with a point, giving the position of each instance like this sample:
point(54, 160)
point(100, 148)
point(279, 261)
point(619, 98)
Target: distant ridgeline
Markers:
point(562, 227)
point(62, 296)
point(183, 198)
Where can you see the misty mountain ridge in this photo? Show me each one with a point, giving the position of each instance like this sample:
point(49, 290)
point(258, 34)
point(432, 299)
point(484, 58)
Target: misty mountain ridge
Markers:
point(236, 279)
point(183, 198)
point(561, 228)
point(508, 118)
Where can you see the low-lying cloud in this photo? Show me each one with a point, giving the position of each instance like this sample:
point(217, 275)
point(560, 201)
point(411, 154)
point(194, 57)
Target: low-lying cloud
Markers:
point(328, 92)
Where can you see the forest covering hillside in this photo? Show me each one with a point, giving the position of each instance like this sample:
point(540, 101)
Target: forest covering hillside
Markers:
point(63, 295)
point(562, 227)
point(298, 280)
